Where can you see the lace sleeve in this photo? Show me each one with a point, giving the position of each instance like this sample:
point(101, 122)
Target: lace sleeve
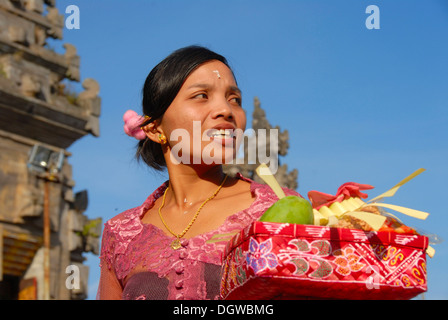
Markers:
point(109, 287)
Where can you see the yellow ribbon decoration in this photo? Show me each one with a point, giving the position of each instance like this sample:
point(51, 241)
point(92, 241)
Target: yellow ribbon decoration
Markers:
point(409, 212)
point(391, 192)
point(265, 173)
point(325, 216)
point(374, 220)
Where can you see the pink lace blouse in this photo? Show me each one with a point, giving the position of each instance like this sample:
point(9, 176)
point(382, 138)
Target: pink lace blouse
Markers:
point(138, 263)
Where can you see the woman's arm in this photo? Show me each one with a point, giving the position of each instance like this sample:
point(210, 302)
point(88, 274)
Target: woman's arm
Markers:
point(109, 288)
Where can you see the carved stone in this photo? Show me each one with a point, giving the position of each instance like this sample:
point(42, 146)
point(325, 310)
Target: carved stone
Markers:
point(260, 122)
point(34, 5)
point(91, 103)
point(36, 108)
point(73, 62)
point(30, 85)
point(57, 22)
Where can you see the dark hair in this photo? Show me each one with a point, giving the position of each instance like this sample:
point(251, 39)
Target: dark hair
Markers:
point(161, 87)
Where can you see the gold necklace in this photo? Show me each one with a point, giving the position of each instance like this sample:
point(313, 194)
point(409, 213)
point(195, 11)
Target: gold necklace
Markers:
point(176, 242)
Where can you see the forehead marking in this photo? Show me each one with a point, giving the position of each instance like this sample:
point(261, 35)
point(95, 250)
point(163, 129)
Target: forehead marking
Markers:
point(217, 73)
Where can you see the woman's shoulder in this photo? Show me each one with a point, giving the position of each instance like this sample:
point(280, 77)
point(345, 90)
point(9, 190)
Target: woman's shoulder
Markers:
point(124, 217)
point(132, 217)
point(121, 230)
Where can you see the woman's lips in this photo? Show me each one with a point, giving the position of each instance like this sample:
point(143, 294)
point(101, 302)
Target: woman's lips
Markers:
point(227, 133)
point(222, 136)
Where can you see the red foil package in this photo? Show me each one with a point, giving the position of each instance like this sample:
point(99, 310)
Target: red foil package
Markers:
point(289, 261)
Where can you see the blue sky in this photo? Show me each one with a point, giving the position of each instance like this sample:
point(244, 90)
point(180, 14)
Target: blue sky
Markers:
point(360, 105)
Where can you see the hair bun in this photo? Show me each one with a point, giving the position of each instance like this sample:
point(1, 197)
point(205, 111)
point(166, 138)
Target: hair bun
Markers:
point(132, 123)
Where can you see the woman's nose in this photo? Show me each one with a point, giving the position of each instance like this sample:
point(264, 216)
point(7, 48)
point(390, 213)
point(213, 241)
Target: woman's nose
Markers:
point(223, 109)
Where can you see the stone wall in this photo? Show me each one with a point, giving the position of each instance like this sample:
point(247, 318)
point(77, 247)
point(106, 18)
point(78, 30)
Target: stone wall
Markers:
point(285, 178)
point(37, 109)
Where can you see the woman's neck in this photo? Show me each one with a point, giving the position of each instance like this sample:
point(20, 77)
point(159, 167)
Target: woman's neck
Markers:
point(189, 186)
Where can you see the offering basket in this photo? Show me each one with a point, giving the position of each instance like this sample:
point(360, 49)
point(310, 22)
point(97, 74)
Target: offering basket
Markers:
point(289, 261)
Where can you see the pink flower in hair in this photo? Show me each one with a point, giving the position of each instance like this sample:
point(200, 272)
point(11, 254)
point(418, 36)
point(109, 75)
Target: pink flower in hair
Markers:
point(132, 125)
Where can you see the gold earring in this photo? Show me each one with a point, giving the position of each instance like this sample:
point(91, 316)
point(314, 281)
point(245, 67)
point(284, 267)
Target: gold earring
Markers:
point(162, 138)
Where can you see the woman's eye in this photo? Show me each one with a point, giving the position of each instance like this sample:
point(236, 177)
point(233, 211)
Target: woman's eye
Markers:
point(200, 96)
point(236, 100)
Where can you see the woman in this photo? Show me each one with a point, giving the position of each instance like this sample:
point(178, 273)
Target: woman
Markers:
point(170, 247)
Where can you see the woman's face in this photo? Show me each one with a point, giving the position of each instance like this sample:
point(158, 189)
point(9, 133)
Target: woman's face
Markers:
point(205, 122)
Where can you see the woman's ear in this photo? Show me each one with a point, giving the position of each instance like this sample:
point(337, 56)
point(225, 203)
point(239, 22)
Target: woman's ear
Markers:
point(154, 132)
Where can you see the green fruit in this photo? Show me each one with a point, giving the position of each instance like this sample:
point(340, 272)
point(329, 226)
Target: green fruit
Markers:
point(290, 209)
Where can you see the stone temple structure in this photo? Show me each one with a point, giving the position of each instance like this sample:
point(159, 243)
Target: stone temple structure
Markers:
point(284, 177)
point(43, 229)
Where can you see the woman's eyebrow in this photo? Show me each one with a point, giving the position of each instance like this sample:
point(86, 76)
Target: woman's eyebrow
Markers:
point(236, 89)
point(199, 85)
point(207, 86)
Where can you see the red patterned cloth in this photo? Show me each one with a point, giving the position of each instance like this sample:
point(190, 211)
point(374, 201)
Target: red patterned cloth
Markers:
point(137, 261)
point(289, 261)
